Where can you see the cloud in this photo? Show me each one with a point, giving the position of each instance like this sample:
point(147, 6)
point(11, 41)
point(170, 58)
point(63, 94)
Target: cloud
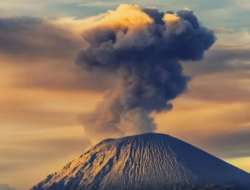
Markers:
point(220, 88)
point(5, 187)
point(40, 53)
point(36, 108)
point(32, 152)
point(231, 53)
point(38, 64)
point(26, 151)
point(221, 60)
point(219, 30)
point(60, 40)
point(223, 75)
point(28, 114)
point(35, 38)
point(67, 77)
point(45, 156)
point(233, 38)
point(229, 144)
point(45, 38)
point(42, 154)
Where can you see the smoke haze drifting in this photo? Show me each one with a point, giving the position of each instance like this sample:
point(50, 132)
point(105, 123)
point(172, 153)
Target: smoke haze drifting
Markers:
point(144, 48)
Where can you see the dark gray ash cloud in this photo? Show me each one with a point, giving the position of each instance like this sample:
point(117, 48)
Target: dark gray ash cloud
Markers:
point(144, 48)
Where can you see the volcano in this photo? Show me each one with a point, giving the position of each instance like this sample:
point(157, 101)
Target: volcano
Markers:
point(148, 161)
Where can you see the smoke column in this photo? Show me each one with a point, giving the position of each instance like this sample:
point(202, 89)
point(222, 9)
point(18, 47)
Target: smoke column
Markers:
point(144, 48)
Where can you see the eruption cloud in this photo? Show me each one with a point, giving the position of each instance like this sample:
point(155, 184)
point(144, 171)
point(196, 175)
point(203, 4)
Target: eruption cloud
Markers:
point(144, 48)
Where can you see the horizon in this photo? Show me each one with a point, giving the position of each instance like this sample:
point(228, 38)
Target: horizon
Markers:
point(45, 95)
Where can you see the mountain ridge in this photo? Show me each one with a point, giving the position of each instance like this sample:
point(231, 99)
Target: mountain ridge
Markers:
point(147, 161)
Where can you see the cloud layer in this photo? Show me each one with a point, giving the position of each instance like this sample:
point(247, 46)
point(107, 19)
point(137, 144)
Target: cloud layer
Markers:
point(41, 53)
point(230, 145)
point(34, 37)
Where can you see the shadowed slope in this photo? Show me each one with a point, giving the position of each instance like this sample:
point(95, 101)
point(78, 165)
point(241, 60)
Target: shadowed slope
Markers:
point(148, 161)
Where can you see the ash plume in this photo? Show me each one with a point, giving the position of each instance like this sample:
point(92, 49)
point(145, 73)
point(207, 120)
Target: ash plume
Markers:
point(144, 48)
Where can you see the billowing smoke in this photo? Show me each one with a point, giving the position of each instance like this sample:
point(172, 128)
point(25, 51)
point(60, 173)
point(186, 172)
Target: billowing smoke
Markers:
point(144, 48)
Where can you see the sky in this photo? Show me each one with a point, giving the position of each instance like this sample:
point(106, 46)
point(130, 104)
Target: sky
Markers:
point(43, 92)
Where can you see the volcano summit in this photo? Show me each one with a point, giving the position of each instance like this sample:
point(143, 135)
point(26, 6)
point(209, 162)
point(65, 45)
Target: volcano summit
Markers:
point(148, 161)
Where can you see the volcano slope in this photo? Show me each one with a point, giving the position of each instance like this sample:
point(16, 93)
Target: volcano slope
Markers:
point(148, 161)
